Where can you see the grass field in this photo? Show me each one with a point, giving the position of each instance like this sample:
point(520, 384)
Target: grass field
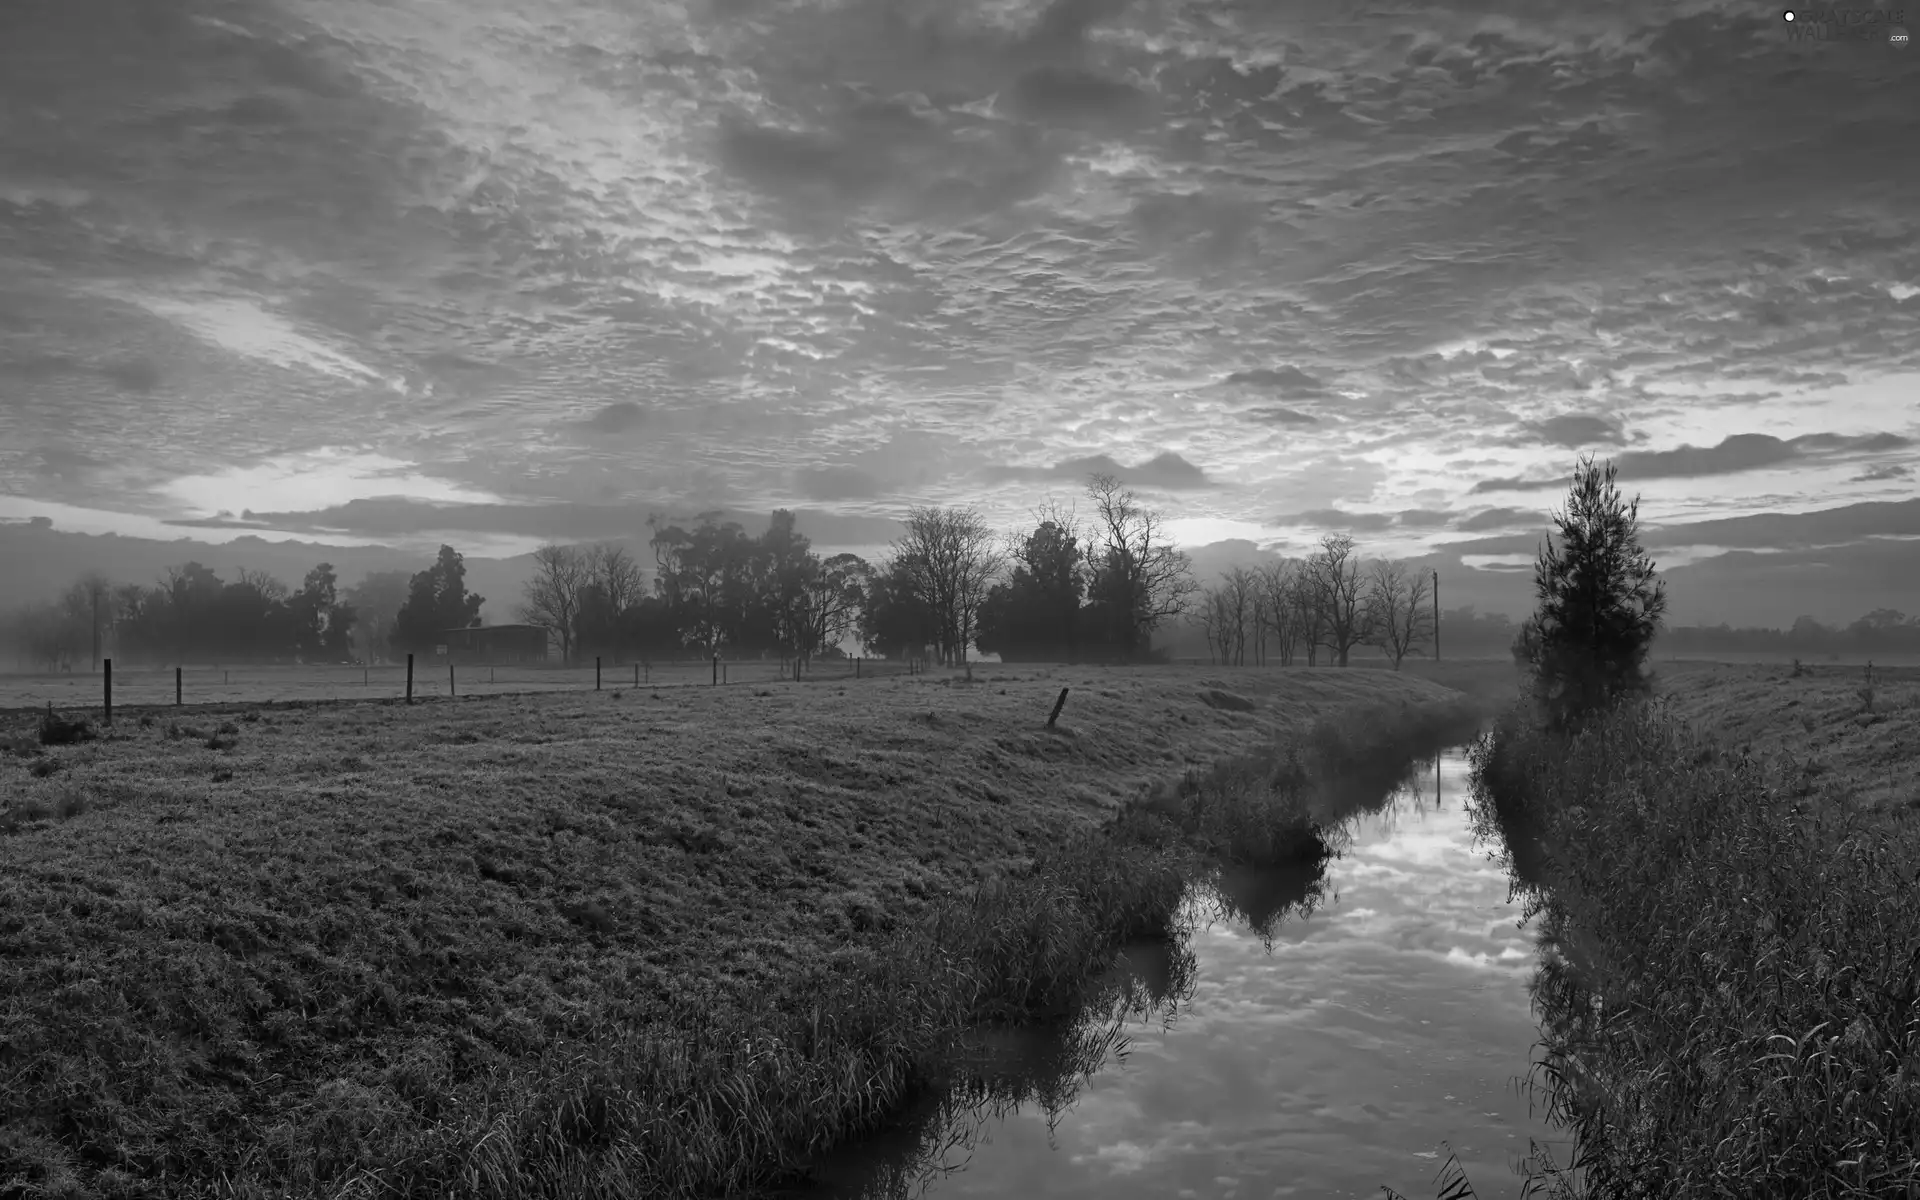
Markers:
point(1819, 726)
point(287, 944)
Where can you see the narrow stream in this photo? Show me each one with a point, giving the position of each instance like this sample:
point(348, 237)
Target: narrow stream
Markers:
point(1388, 1014)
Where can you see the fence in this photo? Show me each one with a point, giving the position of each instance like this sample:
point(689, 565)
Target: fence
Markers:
point(147, 686)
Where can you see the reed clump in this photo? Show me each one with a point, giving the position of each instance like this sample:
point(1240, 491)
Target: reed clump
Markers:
point(1731, 963)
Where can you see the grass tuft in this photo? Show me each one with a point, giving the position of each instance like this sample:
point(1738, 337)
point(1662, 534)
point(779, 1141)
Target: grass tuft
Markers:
point(57, 730)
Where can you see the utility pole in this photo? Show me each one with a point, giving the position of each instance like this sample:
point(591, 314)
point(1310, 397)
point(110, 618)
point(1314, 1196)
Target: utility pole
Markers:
point(1436, 627)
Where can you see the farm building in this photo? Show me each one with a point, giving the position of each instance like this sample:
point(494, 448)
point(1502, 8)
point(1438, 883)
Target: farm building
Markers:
point(497, 645)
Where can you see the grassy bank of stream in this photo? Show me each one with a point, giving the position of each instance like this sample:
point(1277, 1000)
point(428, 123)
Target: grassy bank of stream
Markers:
point(569, 945)
point(1730, 995)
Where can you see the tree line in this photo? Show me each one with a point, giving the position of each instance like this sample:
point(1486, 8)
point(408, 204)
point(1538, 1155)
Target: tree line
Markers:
point(945, 588)
point(1098, 591)
point(1062, 589)
point(1330, 601)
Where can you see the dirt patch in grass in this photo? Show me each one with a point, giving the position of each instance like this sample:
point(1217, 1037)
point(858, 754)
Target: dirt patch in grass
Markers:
point(339, 913)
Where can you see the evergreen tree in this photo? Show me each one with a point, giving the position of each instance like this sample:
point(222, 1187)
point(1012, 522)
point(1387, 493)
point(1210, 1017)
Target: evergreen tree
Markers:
point(437, 600)
point(1599, 604)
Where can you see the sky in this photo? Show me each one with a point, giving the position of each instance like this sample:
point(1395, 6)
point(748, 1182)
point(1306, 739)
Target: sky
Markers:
point(500, 271)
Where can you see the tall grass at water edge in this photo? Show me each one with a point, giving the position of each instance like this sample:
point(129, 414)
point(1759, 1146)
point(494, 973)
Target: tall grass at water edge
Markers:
point(703, 1102)
point(1730, 969)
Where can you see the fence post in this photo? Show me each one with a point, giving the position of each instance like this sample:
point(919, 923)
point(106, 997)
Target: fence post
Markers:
point(636, 674)
point(596, 672)
point(409, 677)
point(716, 672)
point(856, 666)
point(176, 687)
point(1057, 706)
point(106, 681)
point(449, 677)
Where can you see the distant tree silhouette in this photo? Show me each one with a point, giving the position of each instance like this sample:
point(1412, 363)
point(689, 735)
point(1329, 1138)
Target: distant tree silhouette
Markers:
point(322, 624)
point(376, 601)
point(1036, 614)
point(949, 560)
point(555, 595)
point(437, 600)
point(1599, 604)
point(894, 621)
point(1399, 609)
point(1140, 580)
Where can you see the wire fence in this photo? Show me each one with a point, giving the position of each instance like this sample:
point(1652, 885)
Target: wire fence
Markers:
point(144, 686)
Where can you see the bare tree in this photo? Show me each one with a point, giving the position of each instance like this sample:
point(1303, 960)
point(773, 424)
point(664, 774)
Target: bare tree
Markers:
point(553, 595)
point(1240, 592)
point(90, 600)
point(1397, 610)
point(1212, 614)
point(1279, 607)
point(612, 568)
point(950, 556)
point(1309, 608)
point(1337, 584)
point(1259, 620)
point(269, 588)
point(1147, 580)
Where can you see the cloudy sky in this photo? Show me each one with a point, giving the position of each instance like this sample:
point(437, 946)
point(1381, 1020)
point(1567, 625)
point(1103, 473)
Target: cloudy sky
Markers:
point(503, 270)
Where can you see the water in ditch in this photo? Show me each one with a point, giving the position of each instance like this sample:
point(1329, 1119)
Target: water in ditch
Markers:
point(1326, 1036)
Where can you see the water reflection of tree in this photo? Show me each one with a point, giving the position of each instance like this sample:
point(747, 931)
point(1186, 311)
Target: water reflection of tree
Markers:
point(1262, 898)
point(995, 1075)
point(1561, 990)
point(992, 1076)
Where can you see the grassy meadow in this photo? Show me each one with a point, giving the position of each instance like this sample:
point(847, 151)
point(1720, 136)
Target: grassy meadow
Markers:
point(617, 943)
point(1825, 725)
point(1731, 979)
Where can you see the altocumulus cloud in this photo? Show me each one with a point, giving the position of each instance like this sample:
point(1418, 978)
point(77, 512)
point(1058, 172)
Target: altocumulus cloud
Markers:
point(1736, 453)
point(1166, 471)
point(1573, 431)
point(1011, 230)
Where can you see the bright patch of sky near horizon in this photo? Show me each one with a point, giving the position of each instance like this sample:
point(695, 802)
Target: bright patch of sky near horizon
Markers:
point(1279, 266)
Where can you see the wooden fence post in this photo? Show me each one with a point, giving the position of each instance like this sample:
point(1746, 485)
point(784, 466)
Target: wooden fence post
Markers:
point(176, 687)
point(106, 681)
point(596, 672)
point(716, 672)
point(409, 677)
point(1057, 706)
point(449, 676)
point(856, 666)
